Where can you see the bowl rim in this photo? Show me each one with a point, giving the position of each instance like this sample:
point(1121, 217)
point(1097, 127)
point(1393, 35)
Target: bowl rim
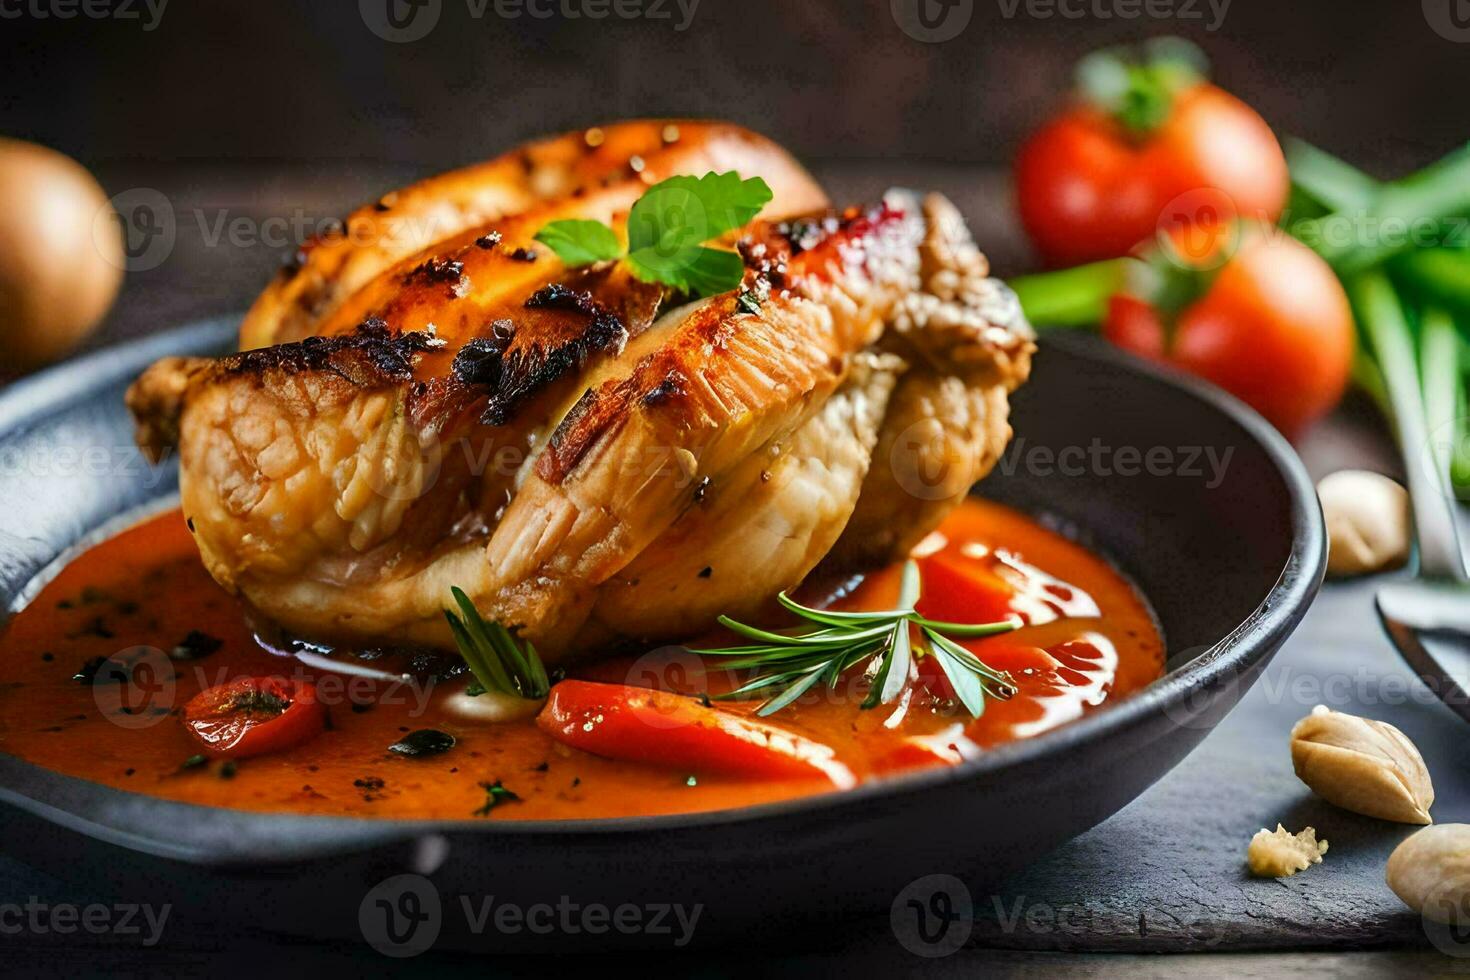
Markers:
point(1244, 647)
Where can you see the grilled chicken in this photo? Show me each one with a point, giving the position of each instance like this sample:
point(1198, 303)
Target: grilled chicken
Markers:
point(588, 456)
point(617, 162)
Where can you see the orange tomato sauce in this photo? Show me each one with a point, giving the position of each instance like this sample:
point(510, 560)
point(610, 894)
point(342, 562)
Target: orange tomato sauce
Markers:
point(135, 599)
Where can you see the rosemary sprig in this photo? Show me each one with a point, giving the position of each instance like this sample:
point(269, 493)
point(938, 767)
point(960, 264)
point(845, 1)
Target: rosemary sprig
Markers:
point(498, 660)
point(790, 662)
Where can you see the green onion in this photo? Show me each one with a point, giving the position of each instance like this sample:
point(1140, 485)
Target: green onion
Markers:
point(1433, 195)
point(1440, 367)
point(1070, 297)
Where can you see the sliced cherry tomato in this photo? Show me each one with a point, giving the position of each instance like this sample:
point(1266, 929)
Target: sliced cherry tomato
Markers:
point(1272, 326)
point(1101, 177)
point(255, 715)
point(663, 729)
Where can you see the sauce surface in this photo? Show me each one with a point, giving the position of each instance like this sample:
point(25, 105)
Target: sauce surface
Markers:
point(95, 671)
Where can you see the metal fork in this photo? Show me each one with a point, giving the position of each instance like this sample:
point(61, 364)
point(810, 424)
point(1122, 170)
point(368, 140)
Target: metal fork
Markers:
point(1428, 617)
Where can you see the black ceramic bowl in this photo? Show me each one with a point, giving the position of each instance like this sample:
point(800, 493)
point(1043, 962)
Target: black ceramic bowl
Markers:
point(1190, 493)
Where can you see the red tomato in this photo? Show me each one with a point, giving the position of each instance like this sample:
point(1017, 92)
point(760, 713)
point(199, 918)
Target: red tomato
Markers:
point(1272, 326)
point(664, 729)
point(1087, 189)
point(254, 715)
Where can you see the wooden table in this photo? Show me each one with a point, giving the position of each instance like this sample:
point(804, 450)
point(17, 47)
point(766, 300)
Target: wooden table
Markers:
point(1163, 876)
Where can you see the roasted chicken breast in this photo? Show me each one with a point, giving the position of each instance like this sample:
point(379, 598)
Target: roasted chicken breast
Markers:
point(591, 457)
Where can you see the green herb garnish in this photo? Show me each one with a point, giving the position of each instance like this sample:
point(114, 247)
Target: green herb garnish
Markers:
point(579, 242)
point(495, 794)
point(499, 661)
point(828, 644)
point(667, 230)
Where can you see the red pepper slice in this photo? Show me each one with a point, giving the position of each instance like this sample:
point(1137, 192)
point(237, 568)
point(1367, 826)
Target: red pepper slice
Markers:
point(663, 729)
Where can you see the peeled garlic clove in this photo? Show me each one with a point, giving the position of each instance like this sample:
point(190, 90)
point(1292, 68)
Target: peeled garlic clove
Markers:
point(1280, 854)
point(1430, 872)
point(492, 707)
point(1367, 517)
point(1366, 766)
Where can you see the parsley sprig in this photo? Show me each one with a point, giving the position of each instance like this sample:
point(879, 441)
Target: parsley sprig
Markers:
point(498, 660)
point(667, 230)
point(827, 644)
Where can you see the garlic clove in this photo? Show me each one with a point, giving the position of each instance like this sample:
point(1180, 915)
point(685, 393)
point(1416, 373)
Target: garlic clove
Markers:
point(1280, 854)
point(1430, 873)
point(1362, 765)
point(492, 707)
point(1367, 517)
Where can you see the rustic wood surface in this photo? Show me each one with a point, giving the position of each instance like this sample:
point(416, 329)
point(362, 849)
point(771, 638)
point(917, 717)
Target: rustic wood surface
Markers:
point(1165, 875)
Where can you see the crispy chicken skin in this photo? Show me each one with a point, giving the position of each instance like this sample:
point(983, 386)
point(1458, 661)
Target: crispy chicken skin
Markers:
point(589, 457)
point(619, 161)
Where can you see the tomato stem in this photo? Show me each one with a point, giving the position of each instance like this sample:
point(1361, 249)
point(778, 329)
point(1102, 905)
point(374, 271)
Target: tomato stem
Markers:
point(1138, 91)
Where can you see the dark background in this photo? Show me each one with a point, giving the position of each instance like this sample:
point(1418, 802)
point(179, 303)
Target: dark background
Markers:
point(271, 81)
point(249, 110)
